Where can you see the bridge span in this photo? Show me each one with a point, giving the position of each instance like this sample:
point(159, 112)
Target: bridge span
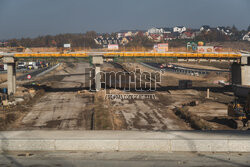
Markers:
point(213, 55)
point(240, 69)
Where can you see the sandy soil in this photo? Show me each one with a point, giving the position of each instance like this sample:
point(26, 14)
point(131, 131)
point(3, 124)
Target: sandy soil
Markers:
point(62, 107)
point(159, 114)
point(145, 115)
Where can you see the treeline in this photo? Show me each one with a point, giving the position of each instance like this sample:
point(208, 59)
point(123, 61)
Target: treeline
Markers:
point(141, 41)
point(217, 36)
point(76, 40)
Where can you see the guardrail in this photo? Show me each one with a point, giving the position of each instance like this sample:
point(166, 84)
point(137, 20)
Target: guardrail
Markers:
point(186, 70)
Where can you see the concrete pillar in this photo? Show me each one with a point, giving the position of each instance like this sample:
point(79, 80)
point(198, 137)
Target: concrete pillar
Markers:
point(11, 73)
point(97, 61)
point(208, 93)
point(236, 73)
point(245, 75)
point(97, 77)
point(10, 78)
point(14, 78)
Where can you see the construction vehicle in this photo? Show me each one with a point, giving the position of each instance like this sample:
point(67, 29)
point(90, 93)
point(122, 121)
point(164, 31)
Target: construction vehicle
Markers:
point(239, 109)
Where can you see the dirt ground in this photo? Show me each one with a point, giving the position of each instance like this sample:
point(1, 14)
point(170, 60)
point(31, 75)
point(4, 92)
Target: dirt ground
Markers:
point(65, 105)
point(62, 106)
point(159, 113)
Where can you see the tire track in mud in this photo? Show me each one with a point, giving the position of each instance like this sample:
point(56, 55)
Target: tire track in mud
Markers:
point(144, 114)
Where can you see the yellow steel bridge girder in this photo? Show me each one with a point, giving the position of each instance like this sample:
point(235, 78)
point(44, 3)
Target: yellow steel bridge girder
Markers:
point(136, 54)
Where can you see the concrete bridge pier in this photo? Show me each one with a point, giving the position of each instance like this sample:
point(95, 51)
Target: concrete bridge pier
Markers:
point(241, 71)
point(11, 73)
point(97, 61)
point(97, 77)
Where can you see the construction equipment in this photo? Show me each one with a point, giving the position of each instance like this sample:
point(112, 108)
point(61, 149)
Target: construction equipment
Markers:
point(239, 109)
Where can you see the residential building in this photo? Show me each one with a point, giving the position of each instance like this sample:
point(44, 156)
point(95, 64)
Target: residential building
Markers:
point(246, 37)
point(187, 35)
point(169, 37)
point(179, 29)
point(155, 30)
point(224, 30)
point(104, 42)
point(205, 28)
point(155, 37)
point(120, 35)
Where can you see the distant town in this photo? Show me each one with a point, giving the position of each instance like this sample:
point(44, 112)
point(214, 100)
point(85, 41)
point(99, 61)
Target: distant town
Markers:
point(179, 35)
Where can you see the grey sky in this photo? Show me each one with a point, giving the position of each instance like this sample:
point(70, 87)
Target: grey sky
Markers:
point(30, 18)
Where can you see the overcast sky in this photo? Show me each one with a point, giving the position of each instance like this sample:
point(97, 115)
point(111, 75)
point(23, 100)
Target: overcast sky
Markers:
point(30, 18)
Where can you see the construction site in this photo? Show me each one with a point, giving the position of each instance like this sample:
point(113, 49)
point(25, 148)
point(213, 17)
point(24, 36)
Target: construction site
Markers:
point(191, 95)
point(124, 83)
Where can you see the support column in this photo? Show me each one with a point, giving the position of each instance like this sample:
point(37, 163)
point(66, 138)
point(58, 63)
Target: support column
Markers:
point(11, 73)
point(97, 61)
point(98, 77)
point(14, 78)
point(10, 78)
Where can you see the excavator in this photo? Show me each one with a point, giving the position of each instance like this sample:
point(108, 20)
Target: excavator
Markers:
point(239, 109)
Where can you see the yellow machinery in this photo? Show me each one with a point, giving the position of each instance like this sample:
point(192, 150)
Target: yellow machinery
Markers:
point(239, 109)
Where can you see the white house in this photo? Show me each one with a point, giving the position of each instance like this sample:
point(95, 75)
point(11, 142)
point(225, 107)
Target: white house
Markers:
point(246, 37)
point(179, 29)
point(225, 30)
point(155, 30)
point(205, 28)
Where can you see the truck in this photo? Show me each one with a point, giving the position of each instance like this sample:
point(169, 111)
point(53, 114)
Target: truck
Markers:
point(21, 65)
point(32, 65)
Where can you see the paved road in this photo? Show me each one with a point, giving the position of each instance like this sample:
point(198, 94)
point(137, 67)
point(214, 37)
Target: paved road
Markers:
point(33, 73)
point(182, 69)
point(121, 159)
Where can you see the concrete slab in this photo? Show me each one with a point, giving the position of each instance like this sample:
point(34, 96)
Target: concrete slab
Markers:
point(200, 145)
point(87, 145)
point(168, 141)
point(26, 144)
point(145, 145)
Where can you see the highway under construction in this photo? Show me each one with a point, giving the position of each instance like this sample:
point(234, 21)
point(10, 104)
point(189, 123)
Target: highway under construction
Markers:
point(124, 83)
point(121, 95)
point(66, 88)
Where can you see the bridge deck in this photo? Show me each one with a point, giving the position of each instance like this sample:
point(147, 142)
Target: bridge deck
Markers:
point(219, 55)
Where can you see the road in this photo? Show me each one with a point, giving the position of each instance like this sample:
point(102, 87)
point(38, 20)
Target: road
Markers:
point(61, 107)
point(185, 69)
point(33, 73)
point(121, 159)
